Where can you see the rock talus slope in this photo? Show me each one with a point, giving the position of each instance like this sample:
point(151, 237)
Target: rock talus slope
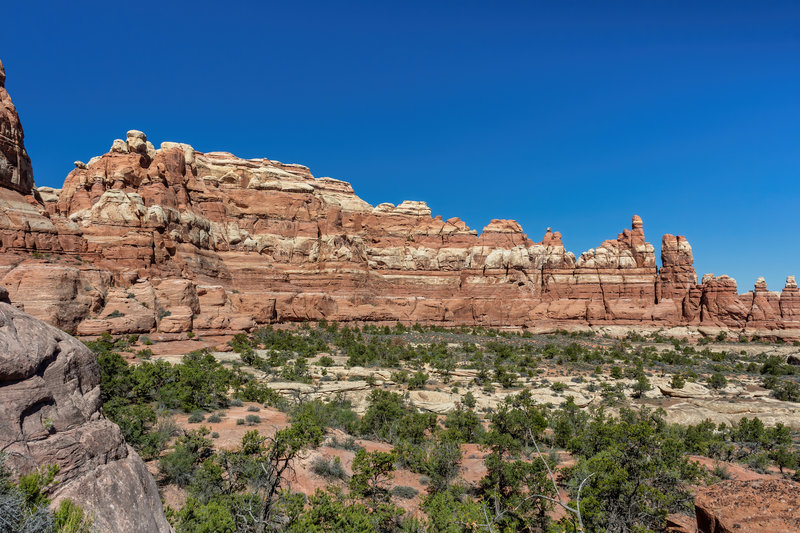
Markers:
point(142, 239)
point(50, 415)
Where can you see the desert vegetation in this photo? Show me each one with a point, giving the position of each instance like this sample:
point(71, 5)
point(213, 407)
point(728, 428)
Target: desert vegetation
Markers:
point(497, 431)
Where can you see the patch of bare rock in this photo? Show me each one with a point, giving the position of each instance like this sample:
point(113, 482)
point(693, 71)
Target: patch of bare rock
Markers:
point(749, 507)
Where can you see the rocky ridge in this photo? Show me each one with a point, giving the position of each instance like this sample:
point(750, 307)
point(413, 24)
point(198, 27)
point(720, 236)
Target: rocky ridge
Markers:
point(169, 239)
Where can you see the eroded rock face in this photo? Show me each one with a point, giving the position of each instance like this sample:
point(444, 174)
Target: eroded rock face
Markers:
point(50, 415)
point(257, 241)
point(15, 165)
point(749, 507)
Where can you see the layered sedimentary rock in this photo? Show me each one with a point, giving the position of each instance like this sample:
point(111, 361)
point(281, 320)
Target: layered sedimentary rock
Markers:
point(50, 415)
point(15, 165)
point(170, 239)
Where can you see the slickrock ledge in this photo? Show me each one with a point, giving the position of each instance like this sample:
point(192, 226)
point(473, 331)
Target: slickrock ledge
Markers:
point(749, 507)
point(144, 239)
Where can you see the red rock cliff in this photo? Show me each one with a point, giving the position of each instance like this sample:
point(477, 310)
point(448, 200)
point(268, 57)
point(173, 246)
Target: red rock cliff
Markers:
point(171, 239)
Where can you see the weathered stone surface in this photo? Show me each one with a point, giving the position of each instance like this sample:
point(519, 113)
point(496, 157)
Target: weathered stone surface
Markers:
point(50, 414)
point(246, 242)
point(749, 507)
point(15, 165)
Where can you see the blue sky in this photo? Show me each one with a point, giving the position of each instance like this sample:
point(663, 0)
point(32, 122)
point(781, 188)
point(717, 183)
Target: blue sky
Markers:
point(565, 114)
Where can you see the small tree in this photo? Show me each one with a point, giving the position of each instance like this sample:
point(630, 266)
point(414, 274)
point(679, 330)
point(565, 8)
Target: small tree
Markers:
point(370, 471)
point(717, 381)
point(641, 386)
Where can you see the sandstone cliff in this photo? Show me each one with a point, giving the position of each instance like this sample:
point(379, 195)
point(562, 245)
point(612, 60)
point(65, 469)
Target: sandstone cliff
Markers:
point(50, 415)
point(170, 239)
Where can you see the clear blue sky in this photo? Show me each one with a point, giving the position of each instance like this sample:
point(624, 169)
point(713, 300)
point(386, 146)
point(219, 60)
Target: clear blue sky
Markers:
point(564, 114)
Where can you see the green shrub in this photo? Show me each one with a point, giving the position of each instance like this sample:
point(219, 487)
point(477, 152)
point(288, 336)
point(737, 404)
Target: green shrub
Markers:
point(145, 354)
point(328, 468)
point(348, 444)
point(214, 419)
point(252, 420)
point(417, 380)
point(404, 492)
point(196, 417)
point(717, 381)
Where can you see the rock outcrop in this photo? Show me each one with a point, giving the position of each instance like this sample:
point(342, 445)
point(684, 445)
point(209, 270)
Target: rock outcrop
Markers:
point(171, 239)
point(15, 165)
point(749, 507)
point(50, 415)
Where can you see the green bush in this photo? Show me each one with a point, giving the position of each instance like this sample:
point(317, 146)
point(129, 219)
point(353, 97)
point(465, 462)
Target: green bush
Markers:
point(717, 381)
point(404, 492)
point(417, 380)
point(328, 468)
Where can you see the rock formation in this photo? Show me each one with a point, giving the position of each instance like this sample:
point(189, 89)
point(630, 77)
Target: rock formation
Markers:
point(170, 239)
point(749, 507)
point(15, 165)
point(50, 415)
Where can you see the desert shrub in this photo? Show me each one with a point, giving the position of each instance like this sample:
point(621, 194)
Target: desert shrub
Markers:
point(179, 465)
point(404, 492)
point(787, 391)
point(721, 471)
point(240, 421)
point(214, 419)
point(252, 420)
point(328, 468)
point(196, 417)
point(348, 444)
point(336, 413)
point(325, 361)
point(145, 354)
point(253, 408)
point(717, 381)
point(417, 380)
point(383, 415)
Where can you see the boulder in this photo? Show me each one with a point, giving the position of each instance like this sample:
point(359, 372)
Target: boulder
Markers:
point(50, 415)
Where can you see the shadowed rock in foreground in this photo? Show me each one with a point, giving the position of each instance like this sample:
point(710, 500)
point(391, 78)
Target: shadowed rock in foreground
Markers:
point(50, 415)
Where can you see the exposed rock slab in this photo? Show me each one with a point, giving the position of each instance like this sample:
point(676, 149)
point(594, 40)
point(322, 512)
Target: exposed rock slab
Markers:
point(749, 507)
